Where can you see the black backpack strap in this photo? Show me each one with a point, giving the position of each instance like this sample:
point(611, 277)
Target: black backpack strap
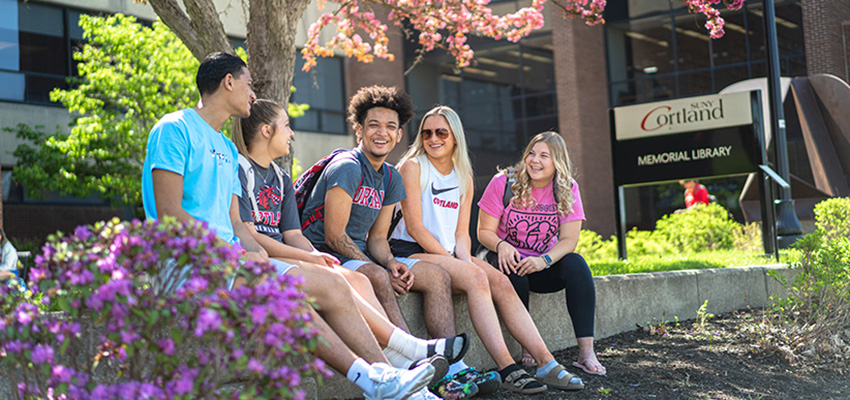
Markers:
point(508, 193)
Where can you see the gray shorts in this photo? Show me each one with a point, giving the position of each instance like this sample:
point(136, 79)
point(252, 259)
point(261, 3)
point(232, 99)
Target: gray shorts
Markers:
point(355, 264)
point(170, 279)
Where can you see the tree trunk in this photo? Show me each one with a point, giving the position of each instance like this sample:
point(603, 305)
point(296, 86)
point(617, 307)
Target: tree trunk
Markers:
point(272, 51)
point(199, 27)
point(272, 25)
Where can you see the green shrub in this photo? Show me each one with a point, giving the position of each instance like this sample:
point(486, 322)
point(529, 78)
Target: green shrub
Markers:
point(748, 238)
point(832, 217)
point(644, 243)
point(817, 309)
point(698, 229)
point(592, 247)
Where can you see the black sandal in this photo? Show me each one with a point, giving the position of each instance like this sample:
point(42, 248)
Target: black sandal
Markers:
point(441, 367)
point(450, 348)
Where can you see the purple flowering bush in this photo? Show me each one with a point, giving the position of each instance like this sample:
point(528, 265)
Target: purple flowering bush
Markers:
point(144, 312)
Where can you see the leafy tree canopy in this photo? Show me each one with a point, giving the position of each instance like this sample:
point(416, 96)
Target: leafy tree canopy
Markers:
point(130, 75)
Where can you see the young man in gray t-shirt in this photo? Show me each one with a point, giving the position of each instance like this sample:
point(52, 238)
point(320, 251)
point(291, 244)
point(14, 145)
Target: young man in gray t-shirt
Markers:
point(356, 193)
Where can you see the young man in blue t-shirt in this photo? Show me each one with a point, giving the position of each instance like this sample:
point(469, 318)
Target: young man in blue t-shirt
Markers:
point(191, 173)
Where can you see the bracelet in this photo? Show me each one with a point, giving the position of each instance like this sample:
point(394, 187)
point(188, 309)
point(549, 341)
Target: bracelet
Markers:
point(497, 245)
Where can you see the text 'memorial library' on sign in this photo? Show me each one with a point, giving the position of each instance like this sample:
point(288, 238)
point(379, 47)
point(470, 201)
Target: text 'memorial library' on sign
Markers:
point(684, 138)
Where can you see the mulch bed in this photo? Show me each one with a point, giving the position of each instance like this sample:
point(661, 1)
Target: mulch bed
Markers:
point(716, 360)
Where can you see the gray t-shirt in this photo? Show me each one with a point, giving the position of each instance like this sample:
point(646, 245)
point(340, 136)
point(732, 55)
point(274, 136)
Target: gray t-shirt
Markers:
point(277, 213)
point(345, 171)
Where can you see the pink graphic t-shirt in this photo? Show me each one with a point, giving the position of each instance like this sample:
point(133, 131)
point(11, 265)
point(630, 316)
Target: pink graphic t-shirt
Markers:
point(532, 231)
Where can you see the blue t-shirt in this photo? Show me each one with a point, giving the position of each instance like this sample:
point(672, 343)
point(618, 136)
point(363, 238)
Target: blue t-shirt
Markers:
point(183, 143)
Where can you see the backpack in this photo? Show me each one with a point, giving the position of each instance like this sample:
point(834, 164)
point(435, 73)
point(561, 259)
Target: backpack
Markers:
point(307, 182)
point(248, 169)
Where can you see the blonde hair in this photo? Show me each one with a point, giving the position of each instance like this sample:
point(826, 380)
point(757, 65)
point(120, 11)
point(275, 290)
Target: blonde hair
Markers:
point(460, 157)
point(562, 181)
point(263, 112)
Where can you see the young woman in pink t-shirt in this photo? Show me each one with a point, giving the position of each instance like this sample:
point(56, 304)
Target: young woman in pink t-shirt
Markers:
point(438, 180)
point(532, 236)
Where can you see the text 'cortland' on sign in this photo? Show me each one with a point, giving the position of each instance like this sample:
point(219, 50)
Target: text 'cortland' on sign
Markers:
point(681, 156)
point(692, 114)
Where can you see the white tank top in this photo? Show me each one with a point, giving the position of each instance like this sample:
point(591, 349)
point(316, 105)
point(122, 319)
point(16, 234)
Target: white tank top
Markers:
point(440, 207)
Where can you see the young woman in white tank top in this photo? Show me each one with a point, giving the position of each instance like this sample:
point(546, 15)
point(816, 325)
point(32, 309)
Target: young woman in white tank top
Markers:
point(432, 233)
point(442, 195)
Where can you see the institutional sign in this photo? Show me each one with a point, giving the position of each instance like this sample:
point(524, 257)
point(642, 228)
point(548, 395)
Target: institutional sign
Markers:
point(684, 138)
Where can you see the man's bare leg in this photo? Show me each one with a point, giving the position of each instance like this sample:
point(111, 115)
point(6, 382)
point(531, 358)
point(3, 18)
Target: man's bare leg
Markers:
point(360, 283)
point(435, 285)
point(380, 280)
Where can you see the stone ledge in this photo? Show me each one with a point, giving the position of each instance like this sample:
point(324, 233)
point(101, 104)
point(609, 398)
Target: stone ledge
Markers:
point(621, 302)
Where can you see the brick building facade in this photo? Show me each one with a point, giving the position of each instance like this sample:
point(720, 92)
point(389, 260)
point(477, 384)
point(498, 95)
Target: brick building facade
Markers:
point(827, 34)
point(565, 77)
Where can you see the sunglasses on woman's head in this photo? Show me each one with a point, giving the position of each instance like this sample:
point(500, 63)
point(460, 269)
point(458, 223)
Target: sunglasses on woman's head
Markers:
point(441, 133)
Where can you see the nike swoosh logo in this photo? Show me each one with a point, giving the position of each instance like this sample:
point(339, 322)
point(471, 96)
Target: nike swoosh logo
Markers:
point(436, 191)
point(356, 377)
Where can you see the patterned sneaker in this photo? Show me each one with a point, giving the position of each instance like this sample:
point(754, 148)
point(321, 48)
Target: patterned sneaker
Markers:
point(450, 389)
point(487, 382)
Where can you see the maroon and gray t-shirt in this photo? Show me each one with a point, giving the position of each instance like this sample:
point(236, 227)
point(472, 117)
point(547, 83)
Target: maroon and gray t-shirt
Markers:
point(345, 171)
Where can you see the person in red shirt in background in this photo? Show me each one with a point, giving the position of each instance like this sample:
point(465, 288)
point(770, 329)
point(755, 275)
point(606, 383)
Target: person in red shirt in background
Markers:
point(694, 193)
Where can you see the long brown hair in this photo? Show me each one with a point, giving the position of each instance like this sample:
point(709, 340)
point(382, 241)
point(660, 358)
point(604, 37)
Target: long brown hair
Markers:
point(562, 181)
point(263, 112)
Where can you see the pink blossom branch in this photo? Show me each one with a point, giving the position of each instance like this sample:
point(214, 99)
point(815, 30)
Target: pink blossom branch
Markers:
point(448, 23)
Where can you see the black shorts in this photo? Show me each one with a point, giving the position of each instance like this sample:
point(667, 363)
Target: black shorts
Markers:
point(403, 248)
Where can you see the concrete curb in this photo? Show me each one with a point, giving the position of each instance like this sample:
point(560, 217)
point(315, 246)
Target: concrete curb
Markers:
point(621, 302)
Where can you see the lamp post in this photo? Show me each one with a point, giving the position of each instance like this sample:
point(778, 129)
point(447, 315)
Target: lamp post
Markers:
point(788, 227)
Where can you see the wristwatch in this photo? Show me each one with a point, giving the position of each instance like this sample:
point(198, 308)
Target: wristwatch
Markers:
point(548, 260)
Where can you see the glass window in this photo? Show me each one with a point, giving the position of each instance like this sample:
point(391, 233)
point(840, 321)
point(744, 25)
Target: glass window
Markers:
point(732, 47)
point(42, 39)
point(692, 42)
point(696, 82)
point(13, 86)
point(9, 52)
point(670, 53)
point(504, 98)
point(321, 88)
point(726, 76)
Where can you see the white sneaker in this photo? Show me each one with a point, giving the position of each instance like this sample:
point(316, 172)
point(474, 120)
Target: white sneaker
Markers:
point(424, 394)
point(398, 384)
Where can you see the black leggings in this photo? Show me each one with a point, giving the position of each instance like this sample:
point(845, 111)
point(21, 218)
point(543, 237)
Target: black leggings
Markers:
point(570, 273)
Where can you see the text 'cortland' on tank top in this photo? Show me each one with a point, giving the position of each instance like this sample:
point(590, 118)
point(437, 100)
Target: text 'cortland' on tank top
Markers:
point(440, 207)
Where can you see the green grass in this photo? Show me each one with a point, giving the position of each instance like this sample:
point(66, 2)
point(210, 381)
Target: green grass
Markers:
point(678, 262)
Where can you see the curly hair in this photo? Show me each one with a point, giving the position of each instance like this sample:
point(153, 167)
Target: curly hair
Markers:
point(370, 97)
point(563, 179)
